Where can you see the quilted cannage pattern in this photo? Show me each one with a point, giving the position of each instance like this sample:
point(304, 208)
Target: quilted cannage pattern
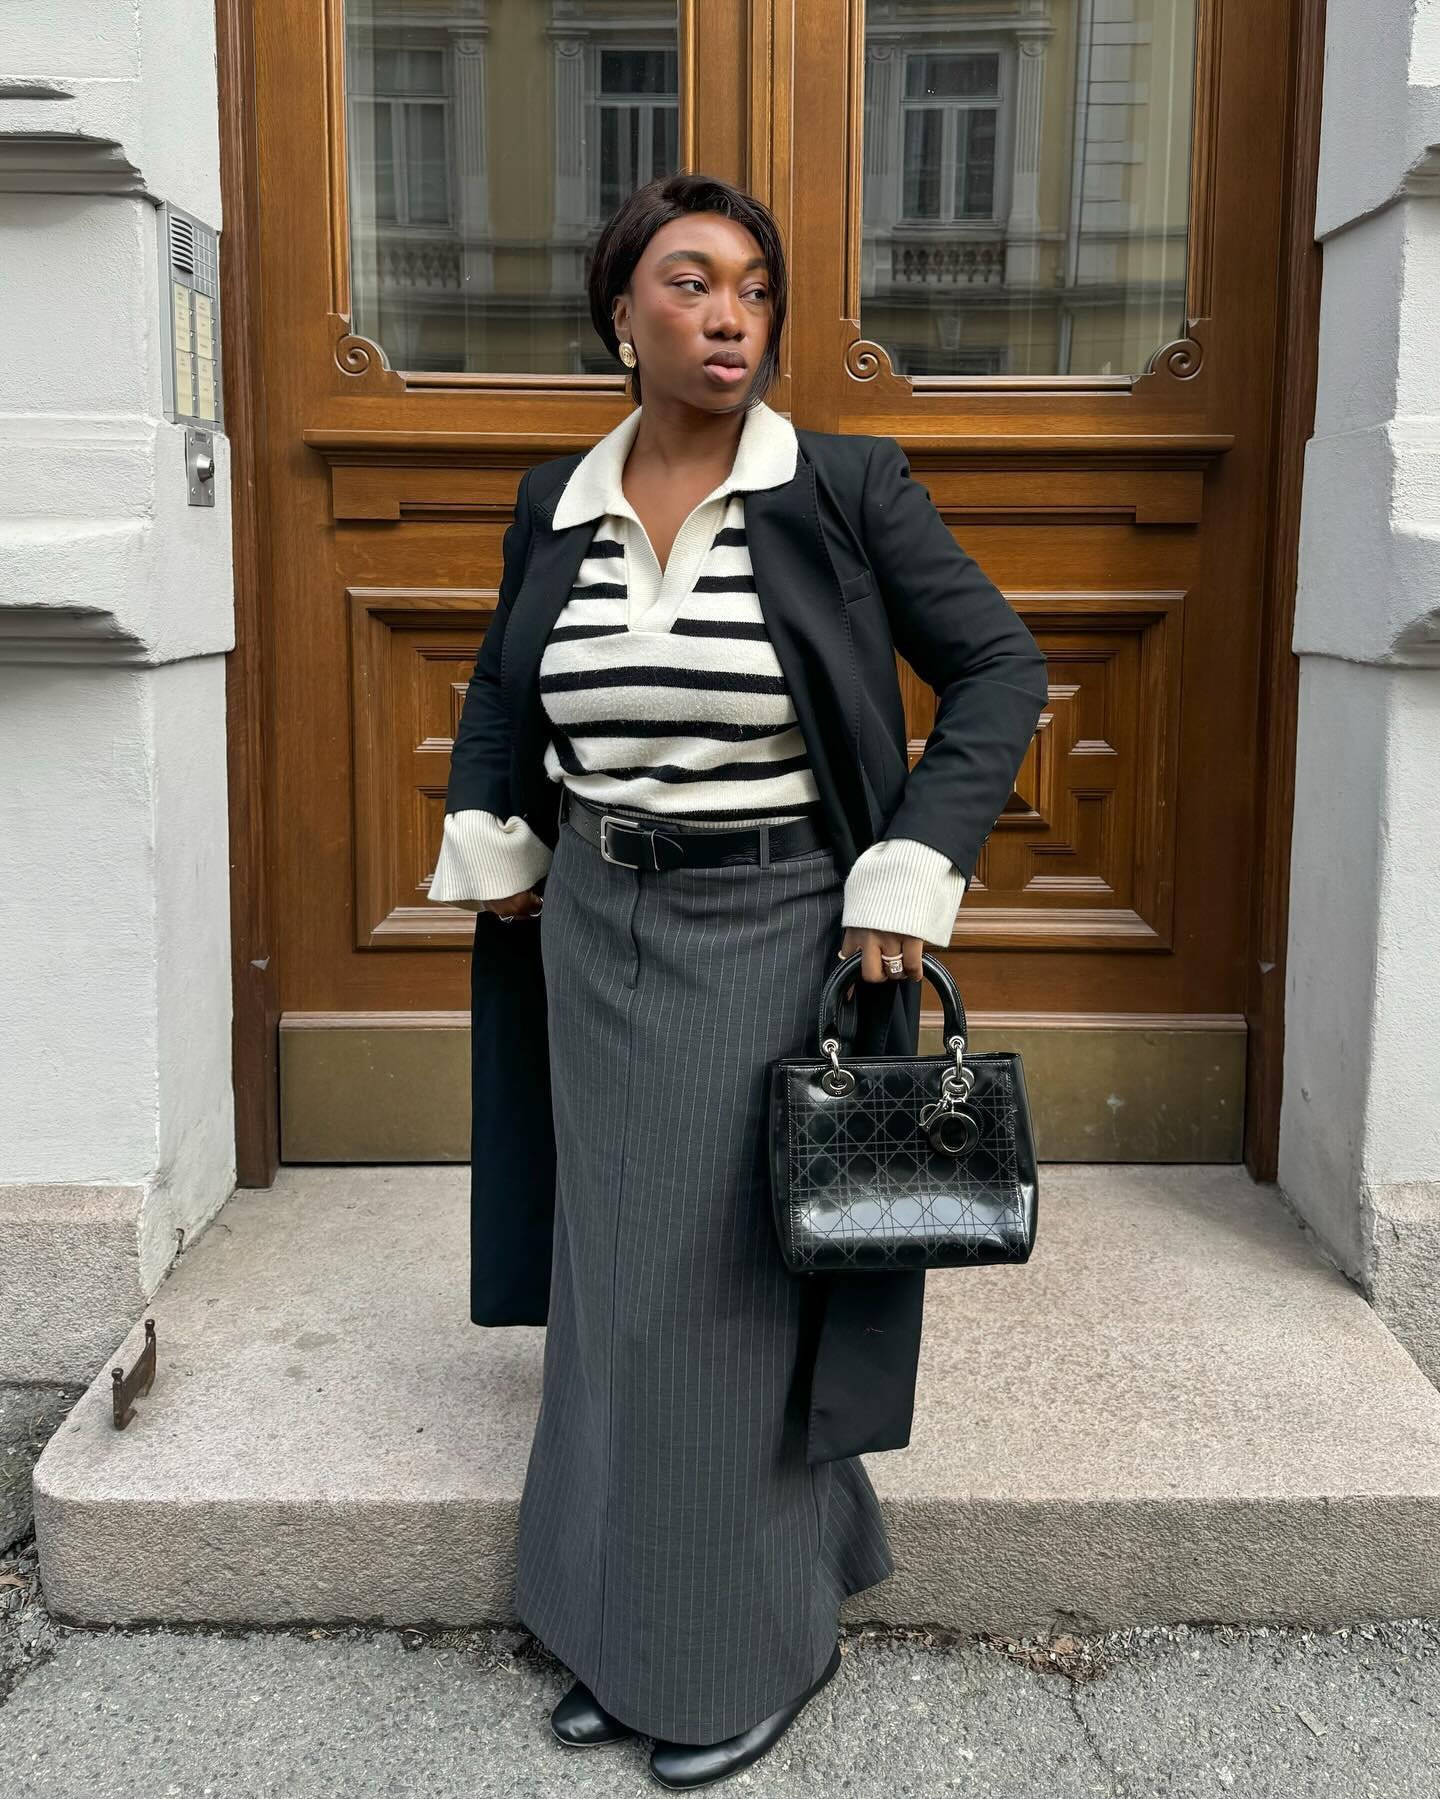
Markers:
point(856, 1184)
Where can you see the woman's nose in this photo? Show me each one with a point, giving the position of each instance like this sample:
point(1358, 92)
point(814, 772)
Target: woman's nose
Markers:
point(724, 315)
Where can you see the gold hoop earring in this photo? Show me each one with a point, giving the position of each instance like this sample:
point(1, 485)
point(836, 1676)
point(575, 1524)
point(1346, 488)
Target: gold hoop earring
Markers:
point(627, 355)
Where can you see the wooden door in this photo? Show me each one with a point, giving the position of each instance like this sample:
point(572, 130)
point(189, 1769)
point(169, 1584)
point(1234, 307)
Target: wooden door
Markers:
point(1036, 244)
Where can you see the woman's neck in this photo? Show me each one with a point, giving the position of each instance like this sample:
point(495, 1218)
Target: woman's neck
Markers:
point(675, 439)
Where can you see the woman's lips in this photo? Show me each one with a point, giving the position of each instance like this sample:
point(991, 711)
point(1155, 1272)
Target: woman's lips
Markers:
point(723, 372)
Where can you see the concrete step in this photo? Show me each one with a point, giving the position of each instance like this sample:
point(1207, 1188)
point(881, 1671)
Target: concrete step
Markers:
point(1177, 1411)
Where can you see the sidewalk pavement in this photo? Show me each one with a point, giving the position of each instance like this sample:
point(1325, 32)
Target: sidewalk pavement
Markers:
point(312, 1713)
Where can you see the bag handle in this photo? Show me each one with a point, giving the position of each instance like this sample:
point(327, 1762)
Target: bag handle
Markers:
point(935, 970)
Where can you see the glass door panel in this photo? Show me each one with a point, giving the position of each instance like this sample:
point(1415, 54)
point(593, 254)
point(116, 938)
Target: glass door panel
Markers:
point(1026, 185)
point(488, 140)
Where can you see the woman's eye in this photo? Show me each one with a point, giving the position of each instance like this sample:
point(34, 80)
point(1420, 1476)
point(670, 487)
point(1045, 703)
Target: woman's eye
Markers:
point(757, 293)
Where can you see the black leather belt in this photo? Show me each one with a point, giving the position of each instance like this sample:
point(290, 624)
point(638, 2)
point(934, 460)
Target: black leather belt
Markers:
point(632, 843)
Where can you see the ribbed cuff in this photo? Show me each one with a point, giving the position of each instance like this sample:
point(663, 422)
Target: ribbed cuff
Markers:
point(904, 886)
point(483, 858)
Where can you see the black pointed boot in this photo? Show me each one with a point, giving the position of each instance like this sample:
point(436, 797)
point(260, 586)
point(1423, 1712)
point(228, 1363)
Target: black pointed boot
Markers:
point(686, 1765)
point(581, 1722)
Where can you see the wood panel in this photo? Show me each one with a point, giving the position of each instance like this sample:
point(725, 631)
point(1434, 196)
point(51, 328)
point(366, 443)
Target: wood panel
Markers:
point(411, 654)
point(1092, 863)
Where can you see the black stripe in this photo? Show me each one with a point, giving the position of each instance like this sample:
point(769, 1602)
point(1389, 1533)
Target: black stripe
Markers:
point(724, 584)
point(718, 627)
point(719, 729)
point(742, 631)
point(674, 775)
point(640, 675)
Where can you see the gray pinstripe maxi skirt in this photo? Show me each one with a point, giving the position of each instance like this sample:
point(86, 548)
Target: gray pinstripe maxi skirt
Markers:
point(675, 1550)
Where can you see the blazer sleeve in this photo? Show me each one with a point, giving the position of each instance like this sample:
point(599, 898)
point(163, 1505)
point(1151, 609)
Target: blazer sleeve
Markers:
point(480, 758)
point(488, 851)
point(965, 640)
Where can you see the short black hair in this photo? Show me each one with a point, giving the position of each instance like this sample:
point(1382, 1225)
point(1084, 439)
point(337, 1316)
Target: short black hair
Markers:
point(640, 215)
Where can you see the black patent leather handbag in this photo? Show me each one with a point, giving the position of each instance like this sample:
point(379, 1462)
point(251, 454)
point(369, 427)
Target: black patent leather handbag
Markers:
point(892, 1162)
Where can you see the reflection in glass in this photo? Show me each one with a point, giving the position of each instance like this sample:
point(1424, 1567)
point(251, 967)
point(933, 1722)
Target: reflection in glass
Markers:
point(488, 141)
point(1026, 184)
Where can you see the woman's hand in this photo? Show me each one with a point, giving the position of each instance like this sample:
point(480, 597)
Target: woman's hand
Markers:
point(517, 905)
point(875, 944)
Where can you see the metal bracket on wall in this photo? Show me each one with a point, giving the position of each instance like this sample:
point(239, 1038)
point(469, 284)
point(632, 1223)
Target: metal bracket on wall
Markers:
point(200, 466)
point(124, 1387)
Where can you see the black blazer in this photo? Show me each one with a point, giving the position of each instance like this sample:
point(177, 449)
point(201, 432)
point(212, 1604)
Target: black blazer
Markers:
point(852, 562)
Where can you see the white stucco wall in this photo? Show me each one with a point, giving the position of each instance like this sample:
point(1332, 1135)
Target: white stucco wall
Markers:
point(1360, 1120)
point(140, 73)
point(116, 1112)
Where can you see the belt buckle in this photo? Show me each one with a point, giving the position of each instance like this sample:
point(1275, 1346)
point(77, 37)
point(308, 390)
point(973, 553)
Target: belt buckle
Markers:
point(610, 818)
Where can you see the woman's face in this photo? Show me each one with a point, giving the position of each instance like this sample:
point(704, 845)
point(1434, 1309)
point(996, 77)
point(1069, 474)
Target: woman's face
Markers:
point(700, 292)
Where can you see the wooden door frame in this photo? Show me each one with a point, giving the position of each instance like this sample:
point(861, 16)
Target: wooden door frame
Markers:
point(249, 684)
point(1292, 412)
point(254, 834)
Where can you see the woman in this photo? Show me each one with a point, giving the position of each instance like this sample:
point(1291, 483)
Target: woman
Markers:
point(685, 723)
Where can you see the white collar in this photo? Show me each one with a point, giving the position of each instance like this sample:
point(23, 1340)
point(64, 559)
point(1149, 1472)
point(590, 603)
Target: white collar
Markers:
point(764, 457)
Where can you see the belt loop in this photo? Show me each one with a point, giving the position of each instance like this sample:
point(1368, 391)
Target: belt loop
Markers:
point(764, 846)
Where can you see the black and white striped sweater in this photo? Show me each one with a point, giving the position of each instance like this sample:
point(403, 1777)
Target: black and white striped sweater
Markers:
point(679, 708)
point(665, 697)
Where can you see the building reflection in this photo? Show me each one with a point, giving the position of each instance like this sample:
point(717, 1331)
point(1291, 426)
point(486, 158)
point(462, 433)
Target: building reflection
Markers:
point(1024, 201)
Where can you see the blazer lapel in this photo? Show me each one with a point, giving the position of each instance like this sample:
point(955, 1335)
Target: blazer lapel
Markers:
point(809, 628)
point(805, 617)
point(554, 563)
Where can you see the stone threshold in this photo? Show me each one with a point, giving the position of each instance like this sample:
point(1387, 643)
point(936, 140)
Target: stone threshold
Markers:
point(1178, 1410)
